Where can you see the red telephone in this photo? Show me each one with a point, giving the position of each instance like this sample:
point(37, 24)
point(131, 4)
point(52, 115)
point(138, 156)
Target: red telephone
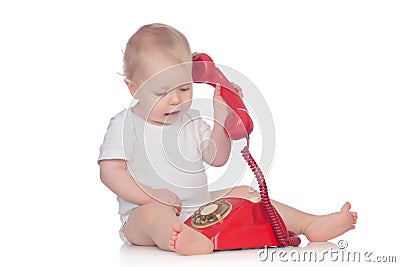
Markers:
point(230, 222)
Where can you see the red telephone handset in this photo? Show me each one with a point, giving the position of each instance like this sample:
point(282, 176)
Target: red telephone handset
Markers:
point(238, 123)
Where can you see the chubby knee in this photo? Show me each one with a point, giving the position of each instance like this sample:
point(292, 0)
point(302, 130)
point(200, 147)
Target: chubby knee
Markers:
point(151, 212)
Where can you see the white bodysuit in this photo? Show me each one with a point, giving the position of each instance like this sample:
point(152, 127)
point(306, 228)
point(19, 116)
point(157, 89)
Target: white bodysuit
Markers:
point(161, 156)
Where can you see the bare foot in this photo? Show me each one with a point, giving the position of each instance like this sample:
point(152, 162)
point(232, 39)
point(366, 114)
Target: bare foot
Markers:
point(187, 241)
point(326, 227)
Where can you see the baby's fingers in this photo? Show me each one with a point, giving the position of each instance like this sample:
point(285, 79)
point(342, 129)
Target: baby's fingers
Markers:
point(177, 211)
point(176, 202)
point(217, 91)
point(238, 89)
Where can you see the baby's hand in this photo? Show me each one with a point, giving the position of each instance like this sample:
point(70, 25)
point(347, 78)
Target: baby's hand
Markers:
point(168, 198)
point(221, 109)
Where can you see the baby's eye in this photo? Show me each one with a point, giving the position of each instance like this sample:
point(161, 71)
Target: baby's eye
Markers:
point(184, 89)
point(161, 93)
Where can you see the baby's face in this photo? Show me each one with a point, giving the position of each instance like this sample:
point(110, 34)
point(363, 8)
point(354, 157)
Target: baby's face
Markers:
point(165, 93)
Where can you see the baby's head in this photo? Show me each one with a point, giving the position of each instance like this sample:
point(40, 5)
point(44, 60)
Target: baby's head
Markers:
point(152, 39)
point(157, 69)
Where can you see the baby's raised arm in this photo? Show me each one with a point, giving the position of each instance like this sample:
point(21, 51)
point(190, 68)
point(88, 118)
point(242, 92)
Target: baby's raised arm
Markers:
point(219, 149)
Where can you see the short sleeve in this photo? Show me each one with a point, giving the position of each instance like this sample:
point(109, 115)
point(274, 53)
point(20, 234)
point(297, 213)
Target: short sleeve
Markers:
point(118, 141)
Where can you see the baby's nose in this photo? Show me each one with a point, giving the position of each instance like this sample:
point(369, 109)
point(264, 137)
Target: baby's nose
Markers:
point(174, 97)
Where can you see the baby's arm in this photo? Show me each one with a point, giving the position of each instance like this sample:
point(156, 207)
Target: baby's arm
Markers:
point(114, 174)
point(219, 148)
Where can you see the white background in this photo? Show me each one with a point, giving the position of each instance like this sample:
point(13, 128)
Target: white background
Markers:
point(329, 71)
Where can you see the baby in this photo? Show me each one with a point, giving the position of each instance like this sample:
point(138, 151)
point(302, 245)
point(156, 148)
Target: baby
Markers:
point(154, 152)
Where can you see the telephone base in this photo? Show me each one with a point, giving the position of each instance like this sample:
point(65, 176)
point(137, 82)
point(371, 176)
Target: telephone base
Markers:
point(246, 226)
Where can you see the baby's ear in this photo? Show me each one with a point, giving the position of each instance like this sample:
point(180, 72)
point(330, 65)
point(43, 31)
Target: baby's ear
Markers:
point(131, 87)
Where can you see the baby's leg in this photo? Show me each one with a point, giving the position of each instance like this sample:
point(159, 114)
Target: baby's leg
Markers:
point(317, 227)
point(156, 224)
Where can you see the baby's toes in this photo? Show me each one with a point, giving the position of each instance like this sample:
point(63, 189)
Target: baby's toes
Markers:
point(355, 217)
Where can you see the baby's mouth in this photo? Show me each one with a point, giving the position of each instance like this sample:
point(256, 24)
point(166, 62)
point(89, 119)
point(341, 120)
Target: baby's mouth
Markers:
point(171, 113)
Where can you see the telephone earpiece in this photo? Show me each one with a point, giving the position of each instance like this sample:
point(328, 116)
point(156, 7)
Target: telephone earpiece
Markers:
point(238, 123)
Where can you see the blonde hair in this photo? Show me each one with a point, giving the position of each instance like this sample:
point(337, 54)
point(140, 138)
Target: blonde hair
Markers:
point(154, 37)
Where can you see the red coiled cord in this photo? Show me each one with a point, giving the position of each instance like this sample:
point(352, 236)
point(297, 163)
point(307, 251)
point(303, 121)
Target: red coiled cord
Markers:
point(281, 236)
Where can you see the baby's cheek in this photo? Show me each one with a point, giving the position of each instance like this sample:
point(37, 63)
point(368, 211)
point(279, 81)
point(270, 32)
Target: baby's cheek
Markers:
point(187, 103)
point(156, 105)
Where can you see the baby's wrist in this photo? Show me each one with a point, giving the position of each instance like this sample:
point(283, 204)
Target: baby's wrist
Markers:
point(220, 116)
point(148, 191)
